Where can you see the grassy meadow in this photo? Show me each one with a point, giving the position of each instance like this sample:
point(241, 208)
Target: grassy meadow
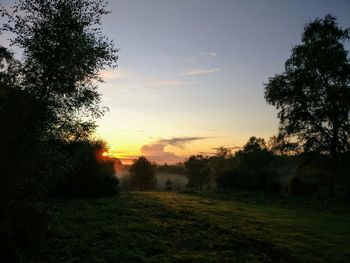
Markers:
point(179, 227)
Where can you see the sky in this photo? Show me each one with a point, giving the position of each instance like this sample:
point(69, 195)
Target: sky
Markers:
point(191, 73)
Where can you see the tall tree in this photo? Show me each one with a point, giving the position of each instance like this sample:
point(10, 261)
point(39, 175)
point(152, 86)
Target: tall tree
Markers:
point(313, 93)
point(64, 49)
point(143, 175)
point(198, 172)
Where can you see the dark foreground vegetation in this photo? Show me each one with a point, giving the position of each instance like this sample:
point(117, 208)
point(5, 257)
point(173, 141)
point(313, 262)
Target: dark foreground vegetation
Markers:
point(178, 227)
point(48, 105)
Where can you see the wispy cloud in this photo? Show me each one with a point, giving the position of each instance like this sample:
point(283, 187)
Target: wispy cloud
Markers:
point(181, 141)
point(194, 72)
point(136, 79)
point(112, 74)
point(165, 82)
point(209, 54)
point(199, 56)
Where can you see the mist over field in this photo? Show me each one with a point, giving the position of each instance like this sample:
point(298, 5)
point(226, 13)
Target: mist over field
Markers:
point(178, 181)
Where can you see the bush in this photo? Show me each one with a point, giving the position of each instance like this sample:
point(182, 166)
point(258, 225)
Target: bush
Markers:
point(90, 174)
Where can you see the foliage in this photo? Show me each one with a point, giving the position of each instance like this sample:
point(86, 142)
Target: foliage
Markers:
point(280, 145)
point(64, 50)
point(198, 172)
point(313, 93)
point(177, 168)
point(47, 105)
point(250, 169)
point(219, 164)
point(142, 175)
point(91, 174)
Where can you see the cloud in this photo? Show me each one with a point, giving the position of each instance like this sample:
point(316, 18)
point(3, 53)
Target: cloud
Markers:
point(194, 72)
point(156, 151)
point(126, 76)
point(181, 141)
point(209, 54)
point(112, 74)
point(165, 82)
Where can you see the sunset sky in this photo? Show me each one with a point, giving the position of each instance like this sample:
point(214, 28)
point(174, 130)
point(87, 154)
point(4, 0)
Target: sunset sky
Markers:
point(191, 72)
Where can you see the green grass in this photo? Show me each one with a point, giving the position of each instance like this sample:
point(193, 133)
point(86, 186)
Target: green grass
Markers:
point(177, 227)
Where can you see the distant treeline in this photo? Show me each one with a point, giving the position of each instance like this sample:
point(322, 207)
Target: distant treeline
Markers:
point(260, 167)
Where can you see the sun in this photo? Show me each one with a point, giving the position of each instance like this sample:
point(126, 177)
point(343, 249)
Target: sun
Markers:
point(105, 154)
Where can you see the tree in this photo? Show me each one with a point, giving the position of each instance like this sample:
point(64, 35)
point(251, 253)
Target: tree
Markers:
point(142, 175)
point(313, 93)
point(64, 49)
point(47, 101)
point(254, 162)
point(220, 163)
point(198, 171)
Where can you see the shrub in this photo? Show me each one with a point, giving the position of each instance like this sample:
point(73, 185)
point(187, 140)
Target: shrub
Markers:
point(90, 174)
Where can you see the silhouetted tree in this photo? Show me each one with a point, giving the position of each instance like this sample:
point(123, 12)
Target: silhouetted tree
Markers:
point(64, 50)
point(142, 175)
point(46, 101)
point(250, 169)
point(220, 163)
point(313, 93)
point(198, 172)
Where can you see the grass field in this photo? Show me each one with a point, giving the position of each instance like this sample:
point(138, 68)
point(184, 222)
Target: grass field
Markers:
point(177, 227)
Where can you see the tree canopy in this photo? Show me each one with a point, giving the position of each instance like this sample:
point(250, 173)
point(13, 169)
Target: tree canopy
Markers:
point(313, 93)
point(64, 49)
point(142, 174)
